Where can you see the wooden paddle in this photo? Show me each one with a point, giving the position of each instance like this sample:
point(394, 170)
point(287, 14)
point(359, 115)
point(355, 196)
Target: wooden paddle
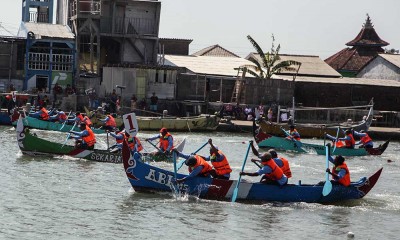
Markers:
point(235, 191)
point(328, 185)
point(175, 174)
point(69, 134)
point(66, 120)
point(337, 135)
point(180, 164)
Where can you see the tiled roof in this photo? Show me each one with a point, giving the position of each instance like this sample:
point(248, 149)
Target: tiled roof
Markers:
point(220, 66)
point(367, 36)
point(46, 30)
point(352, 59)
point(176, 40)
point(215, 51)
point(392, 58)
point(310, 65)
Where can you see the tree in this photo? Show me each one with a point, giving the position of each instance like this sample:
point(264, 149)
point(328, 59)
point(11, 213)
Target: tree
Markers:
point(270, 62)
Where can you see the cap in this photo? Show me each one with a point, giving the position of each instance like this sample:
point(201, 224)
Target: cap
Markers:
point(191, 161)
point(163, 130)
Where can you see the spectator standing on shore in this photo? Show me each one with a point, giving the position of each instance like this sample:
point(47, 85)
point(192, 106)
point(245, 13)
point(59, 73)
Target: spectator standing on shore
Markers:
point(133, 103)
point(57, 90)
point(113, 101)
point(69, 90)
point(249, 113)
point(153, 102)
point(269, 114)
point(143, 105)
point(261, 109)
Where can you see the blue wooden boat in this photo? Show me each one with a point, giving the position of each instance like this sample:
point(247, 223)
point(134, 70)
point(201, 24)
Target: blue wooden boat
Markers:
point(52, 126)
point(147, 178)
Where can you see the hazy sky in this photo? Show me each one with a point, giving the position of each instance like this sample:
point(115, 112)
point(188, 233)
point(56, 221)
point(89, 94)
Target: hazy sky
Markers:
point(309, 27)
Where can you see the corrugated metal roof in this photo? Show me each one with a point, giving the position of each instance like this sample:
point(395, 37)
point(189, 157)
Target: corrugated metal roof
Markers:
point(310, 65)
point(392, 58)
point(215, 51)
point(349, 81)
point(207, 65)
point(46, 30)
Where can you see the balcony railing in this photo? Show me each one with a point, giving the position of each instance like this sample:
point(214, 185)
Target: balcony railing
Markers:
point(86, 7)
point(128, 26)
point(38, 17)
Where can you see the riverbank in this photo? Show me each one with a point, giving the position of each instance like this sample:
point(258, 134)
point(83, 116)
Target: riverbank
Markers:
point(379, 133)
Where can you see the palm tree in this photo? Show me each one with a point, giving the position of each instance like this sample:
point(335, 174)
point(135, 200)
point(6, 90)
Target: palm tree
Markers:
point(270, 62)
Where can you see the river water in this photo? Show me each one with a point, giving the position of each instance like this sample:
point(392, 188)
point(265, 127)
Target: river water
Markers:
point(66, 198)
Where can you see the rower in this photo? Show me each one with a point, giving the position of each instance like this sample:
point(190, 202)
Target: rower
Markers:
point(85, 139)
point(166, 142)
point(340, 172)
point(221, 168)
point(109, 122)
point(42, 114)
point(197, 166)
point(365, 139)
point(60, 117)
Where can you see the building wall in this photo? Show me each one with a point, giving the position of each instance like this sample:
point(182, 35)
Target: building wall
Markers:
point(379, 68)
point(343, 95)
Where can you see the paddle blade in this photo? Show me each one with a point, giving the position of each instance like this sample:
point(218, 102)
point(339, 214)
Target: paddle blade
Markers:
point(234, 195)
point(327, 188)
point(180, 164)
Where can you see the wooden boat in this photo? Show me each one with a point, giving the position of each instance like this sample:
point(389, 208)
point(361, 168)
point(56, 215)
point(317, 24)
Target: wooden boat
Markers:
point(311, 130)
point(270, 141)
point(148, 178)
point(203, 122)
point(34, 146)
point(52, 126)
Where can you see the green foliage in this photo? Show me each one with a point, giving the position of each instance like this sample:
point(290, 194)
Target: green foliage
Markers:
point(270, 63)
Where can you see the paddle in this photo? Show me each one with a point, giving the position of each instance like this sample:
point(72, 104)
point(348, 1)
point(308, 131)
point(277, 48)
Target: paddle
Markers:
point(256, 163)
point(235, 191)
point(108, 143)
point(337, 135)
point(154, 145)
point(69, 134)
point(175, 173)
point(328, 185)
point(297, 143)
point(65, 120)
point(180, 164)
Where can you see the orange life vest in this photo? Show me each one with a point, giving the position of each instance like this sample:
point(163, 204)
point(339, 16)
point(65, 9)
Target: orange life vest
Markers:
point(62, 116)
point(366, 139)
point(44, 115)
point(120, 140)
point(80, 117)
point(90, 140)
point(201, 162)
point(132, 142)
point(164, 141)
point(295, 137)
point(286, 168)
point(350, 143)
point(87, 121)
point(339, 144)
point(345, 181)
point(276, 173)
point(221, 167)
point(111, 121)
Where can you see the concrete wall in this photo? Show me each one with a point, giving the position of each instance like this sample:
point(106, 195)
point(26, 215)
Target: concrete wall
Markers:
point(379, 68)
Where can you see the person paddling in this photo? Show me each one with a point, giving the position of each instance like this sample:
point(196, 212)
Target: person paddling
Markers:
point(347, 141)
point(85, 139)
point(221, 168)
point(166, 142)
point(340, 172)
point(61, 117)
point(109, 122)
point(365, 139)
point(42, 114)
point(293, 133)
point(273, 174)
point(197, 166)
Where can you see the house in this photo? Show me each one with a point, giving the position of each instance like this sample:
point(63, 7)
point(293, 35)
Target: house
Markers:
point(383, 66)
point(363, 48)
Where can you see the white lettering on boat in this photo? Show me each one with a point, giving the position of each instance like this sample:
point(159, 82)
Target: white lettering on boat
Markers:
point(101, 157)
point(159, 177)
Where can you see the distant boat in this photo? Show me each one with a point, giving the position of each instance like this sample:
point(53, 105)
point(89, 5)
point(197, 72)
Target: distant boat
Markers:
point(34, 146)
point(147, 178)
point(313, 130)
point(203, 122)
point(285, 144)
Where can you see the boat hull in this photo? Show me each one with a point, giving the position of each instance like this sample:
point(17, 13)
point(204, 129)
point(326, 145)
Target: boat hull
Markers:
point(52, 126)
point(148, 178)
point(34, 146)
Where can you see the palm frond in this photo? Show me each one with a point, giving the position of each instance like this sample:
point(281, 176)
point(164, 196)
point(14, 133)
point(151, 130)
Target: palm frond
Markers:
point(260, 52)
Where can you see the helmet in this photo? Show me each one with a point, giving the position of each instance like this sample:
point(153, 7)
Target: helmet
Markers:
point(191, 161)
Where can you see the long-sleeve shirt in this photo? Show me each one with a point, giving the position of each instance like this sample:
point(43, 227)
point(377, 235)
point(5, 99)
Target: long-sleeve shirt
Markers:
point(341, 173)
point(170, 141)
point(105, 119)
point(218, 158)
point(79, 135)
point(267, 170)
point(195, 171)
point(360, 135)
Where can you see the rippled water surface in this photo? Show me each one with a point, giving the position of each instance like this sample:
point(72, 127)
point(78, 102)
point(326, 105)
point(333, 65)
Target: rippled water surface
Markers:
point(66, 198)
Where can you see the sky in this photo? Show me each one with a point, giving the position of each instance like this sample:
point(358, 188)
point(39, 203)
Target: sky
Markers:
point(305, 27)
